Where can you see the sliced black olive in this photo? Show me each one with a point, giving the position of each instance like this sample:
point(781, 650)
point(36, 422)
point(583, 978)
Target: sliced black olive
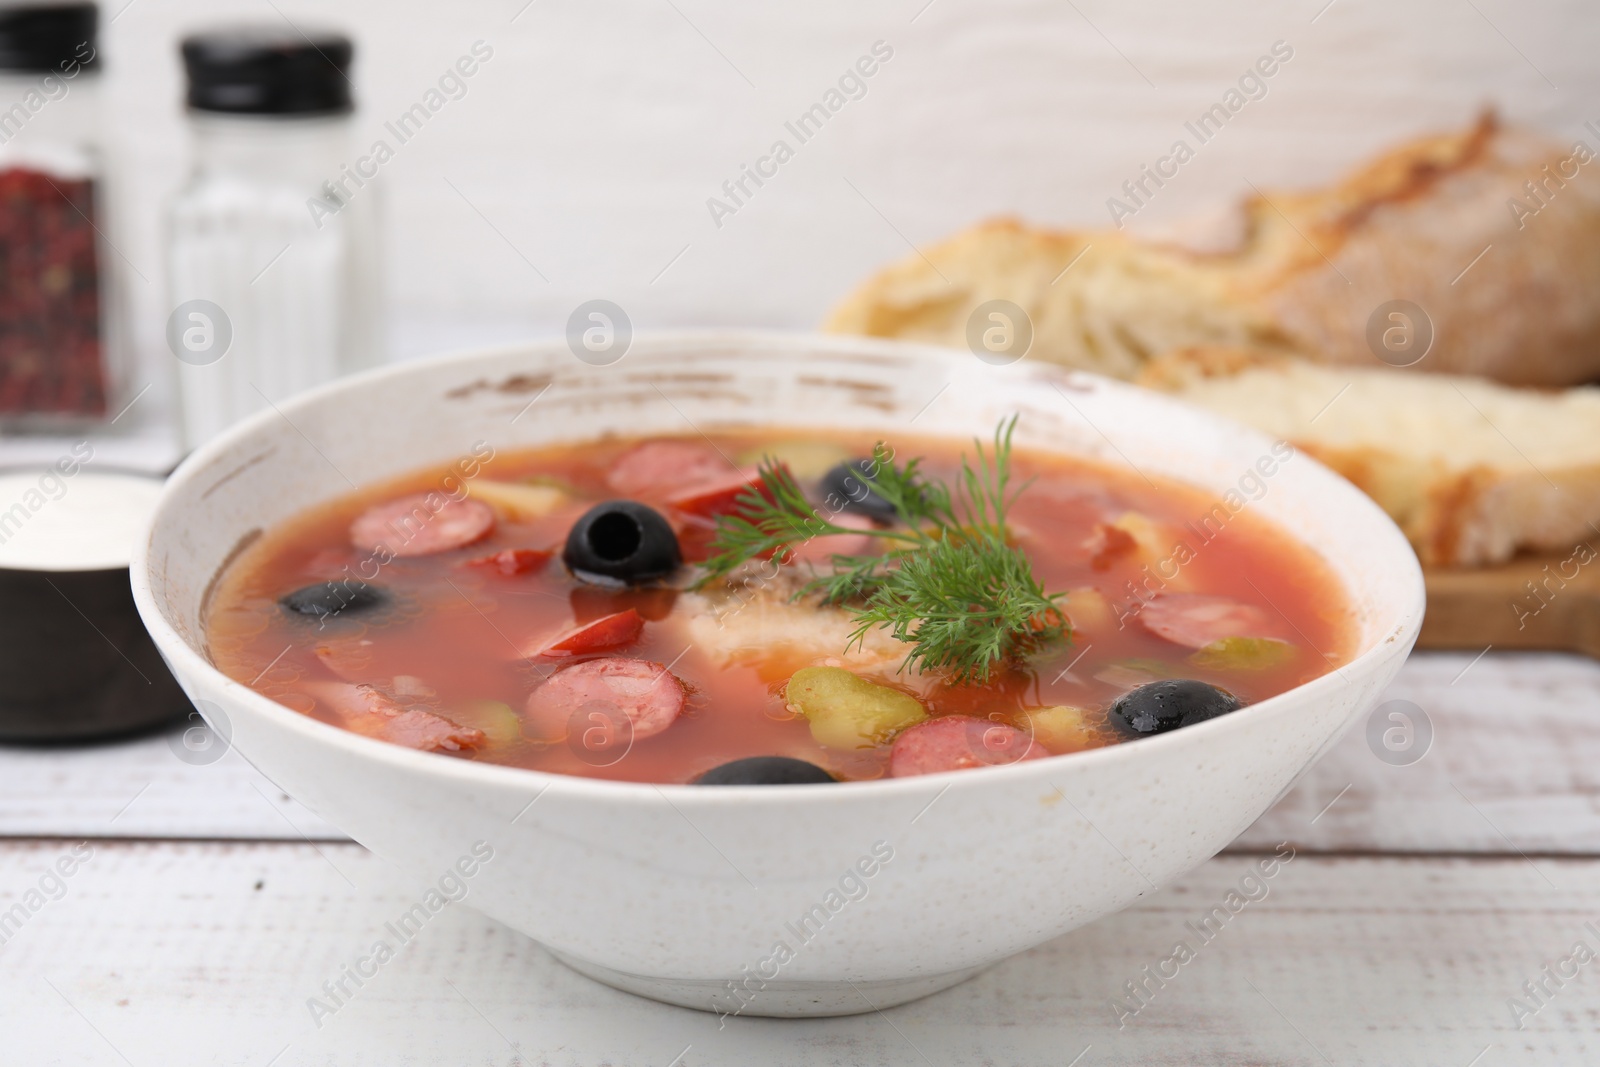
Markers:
point(765, 770)
point(849, 487)
point(333, 598)
point(1171, 704)
point(622, 540)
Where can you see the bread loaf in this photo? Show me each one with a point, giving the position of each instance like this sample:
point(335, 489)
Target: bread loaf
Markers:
point(1493, 232)
point(1472, 471)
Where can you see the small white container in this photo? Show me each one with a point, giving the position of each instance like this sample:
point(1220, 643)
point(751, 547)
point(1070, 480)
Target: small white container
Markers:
point(75, 661)
point(271, 245)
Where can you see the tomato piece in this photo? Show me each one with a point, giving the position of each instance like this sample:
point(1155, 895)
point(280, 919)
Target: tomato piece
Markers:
point(610, 631)
point(695, 535)
point(513, 561)
point(720, 497)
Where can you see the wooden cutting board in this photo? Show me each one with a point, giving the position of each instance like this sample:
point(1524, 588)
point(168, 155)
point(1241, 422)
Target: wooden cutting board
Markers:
point(1533, 602)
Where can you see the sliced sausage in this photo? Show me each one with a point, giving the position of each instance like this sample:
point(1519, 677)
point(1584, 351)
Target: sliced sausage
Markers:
point(373, 713)
point(646, 693)
point(823, 549)
point(422, 524)
point(959, 742)
point(600, 635)
point(1195, 620)
point(660, 468)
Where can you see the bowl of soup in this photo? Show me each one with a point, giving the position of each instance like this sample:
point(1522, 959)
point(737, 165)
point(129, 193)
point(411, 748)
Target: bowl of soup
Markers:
point(773, 674)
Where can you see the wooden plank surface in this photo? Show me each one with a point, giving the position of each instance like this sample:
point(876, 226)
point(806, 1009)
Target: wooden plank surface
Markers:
point(1511, 765)
point(207, 953)
point(1547, 601)
point(1508, 768)
point(1479, 864)
point(140, 788)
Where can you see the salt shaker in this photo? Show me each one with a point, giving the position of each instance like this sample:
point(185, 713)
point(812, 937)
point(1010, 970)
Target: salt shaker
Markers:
point(271, 249)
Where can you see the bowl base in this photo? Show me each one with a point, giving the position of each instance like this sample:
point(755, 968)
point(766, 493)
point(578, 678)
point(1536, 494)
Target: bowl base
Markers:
point(779, 999)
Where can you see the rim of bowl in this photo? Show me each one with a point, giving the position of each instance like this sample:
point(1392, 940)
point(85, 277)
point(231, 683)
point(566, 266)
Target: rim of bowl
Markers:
point(1398, 640)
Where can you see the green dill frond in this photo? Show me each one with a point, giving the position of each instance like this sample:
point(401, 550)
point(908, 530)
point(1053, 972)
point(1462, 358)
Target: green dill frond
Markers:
point(948, 581)
point(964, 607)
point(769, 521)
point(854, 578)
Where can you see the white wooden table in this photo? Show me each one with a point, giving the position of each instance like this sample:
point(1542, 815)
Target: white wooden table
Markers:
point(1420, 900)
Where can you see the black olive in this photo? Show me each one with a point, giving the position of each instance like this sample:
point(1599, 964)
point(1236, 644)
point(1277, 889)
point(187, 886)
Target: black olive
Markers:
point(334, 597)
point(765, 770)
point(849, 488)
point(622, 540)
point(1170, 704)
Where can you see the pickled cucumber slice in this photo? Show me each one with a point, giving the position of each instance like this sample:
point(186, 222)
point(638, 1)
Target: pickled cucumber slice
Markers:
point(1062, 728)
point(1243, 654)
point(499, 723)
point(846, 711)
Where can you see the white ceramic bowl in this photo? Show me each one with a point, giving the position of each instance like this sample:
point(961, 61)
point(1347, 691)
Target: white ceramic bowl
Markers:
point(758, 899)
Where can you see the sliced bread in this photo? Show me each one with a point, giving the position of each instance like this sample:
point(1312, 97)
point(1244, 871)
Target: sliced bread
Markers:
point(1494, 232)
point(1472, 471)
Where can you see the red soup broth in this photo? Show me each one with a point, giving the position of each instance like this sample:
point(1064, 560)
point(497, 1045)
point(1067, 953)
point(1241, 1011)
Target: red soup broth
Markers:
point(1155, 570)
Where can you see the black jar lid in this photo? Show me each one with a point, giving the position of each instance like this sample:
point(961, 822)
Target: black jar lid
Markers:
point(268, 70)
point(40, 38)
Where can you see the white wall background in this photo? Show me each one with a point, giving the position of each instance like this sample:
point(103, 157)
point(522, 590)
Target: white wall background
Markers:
point(593, 137)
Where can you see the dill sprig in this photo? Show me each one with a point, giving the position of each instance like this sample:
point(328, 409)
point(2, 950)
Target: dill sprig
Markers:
point(949, 582)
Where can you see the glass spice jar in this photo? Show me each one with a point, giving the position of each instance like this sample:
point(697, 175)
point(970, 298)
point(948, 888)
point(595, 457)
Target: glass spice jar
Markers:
point(60, 354)
point(273, 271)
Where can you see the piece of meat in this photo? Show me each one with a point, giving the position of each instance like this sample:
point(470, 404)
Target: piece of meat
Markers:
point(822, 549)
point(959, 742)
point(646, 693)
point(511, 562)
point(422, 524)
point(659, 468)
point(1107, 543)
point(1195, 620)
point(371, 712)
point(760, 625)
point(607, 632)
point(423, 730)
